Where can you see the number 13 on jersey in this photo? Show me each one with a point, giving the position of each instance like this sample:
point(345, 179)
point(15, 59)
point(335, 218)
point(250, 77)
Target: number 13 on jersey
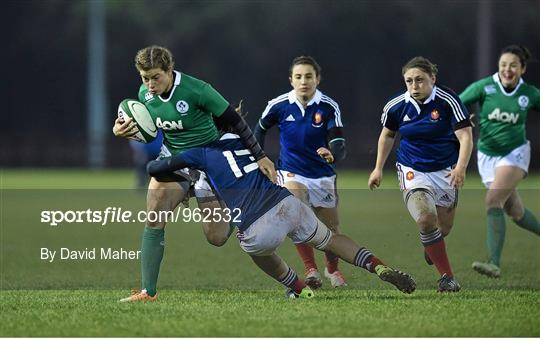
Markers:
point(251, 166)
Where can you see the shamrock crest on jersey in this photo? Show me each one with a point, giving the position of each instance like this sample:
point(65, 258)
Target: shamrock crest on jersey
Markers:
point(182, 107)
point(523, 101)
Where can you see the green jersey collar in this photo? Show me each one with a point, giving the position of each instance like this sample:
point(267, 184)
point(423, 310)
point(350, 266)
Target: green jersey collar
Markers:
point(177, 79)
point(498, 82)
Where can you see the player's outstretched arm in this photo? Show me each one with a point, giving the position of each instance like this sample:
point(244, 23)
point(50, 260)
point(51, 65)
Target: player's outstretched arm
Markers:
point(386, 141)
point(164, 170)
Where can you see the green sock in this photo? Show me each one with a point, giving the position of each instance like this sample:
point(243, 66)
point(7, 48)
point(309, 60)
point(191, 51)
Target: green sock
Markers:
point(153, 245)
point(529, 222)
point(496, 229)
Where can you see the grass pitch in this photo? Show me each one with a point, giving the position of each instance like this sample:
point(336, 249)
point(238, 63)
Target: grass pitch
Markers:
point(218, 292)
point(255, 313)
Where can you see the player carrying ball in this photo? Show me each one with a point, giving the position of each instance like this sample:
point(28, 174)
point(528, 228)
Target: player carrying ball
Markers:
point(184, 108)
point(270, 213)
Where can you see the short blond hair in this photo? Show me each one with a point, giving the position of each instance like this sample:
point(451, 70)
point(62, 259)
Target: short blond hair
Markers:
point(154, 57)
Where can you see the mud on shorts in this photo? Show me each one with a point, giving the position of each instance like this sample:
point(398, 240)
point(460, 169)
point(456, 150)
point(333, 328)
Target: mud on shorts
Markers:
point(289, 218)
point(438, 183)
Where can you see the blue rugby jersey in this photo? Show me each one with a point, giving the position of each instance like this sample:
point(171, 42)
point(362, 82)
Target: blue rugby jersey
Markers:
point(236, 178)
point(428, 142)
point(302, 132)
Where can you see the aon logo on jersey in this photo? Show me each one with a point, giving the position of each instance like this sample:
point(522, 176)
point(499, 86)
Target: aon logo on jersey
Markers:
point(169, 125)
point(503, 116)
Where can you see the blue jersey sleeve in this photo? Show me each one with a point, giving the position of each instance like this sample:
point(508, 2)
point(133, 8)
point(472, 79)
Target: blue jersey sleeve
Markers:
point(389, 119)
point(270, 116)
point(460, 115)
point(334, 119)
point(194, 157)
point(165, 169)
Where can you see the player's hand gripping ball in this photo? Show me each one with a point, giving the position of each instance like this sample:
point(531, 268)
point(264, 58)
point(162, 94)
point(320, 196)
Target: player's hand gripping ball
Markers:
point(130, 108)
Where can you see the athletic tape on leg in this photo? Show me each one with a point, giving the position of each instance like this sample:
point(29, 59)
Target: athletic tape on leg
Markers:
point(321, 237)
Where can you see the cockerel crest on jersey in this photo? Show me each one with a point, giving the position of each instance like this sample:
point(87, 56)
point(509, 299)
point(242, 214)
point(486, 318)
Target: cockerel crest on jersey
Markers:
point(317, 119)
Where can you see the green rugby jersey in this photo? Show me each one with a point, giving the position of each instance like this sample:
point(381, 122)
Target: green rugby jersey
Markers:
point(186, 115)
point(502, 115)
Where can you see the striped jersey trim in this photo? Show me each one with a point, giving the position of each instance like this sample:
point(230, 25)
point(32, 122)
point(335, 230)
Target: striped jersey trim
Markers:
point(273, 102)
point(337, 112)
point(454, 104)
point(389, 105)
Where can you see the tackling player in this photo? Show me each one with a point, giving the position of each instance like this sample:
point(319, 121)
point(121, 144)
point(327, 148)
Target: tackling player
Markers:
point(269, 214)
point(311, 139)
point(183, 107)
point(503, 150)
point(434, 151)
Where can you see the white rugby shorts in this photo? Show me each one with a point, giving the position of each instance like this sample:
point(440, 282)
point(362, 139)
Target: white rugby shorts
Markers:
point(321, 191)
point(289, 218)
point(202, 189)
point(438, 183)
point(518, 157)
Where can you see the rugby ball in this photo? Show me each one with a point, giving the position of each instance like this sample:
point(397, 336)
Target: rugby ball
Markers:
point(141, 116)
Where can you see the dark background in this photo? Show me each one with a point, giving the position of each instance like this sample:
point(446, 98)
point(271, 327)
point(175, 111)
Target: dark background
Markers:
point(243, 48)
